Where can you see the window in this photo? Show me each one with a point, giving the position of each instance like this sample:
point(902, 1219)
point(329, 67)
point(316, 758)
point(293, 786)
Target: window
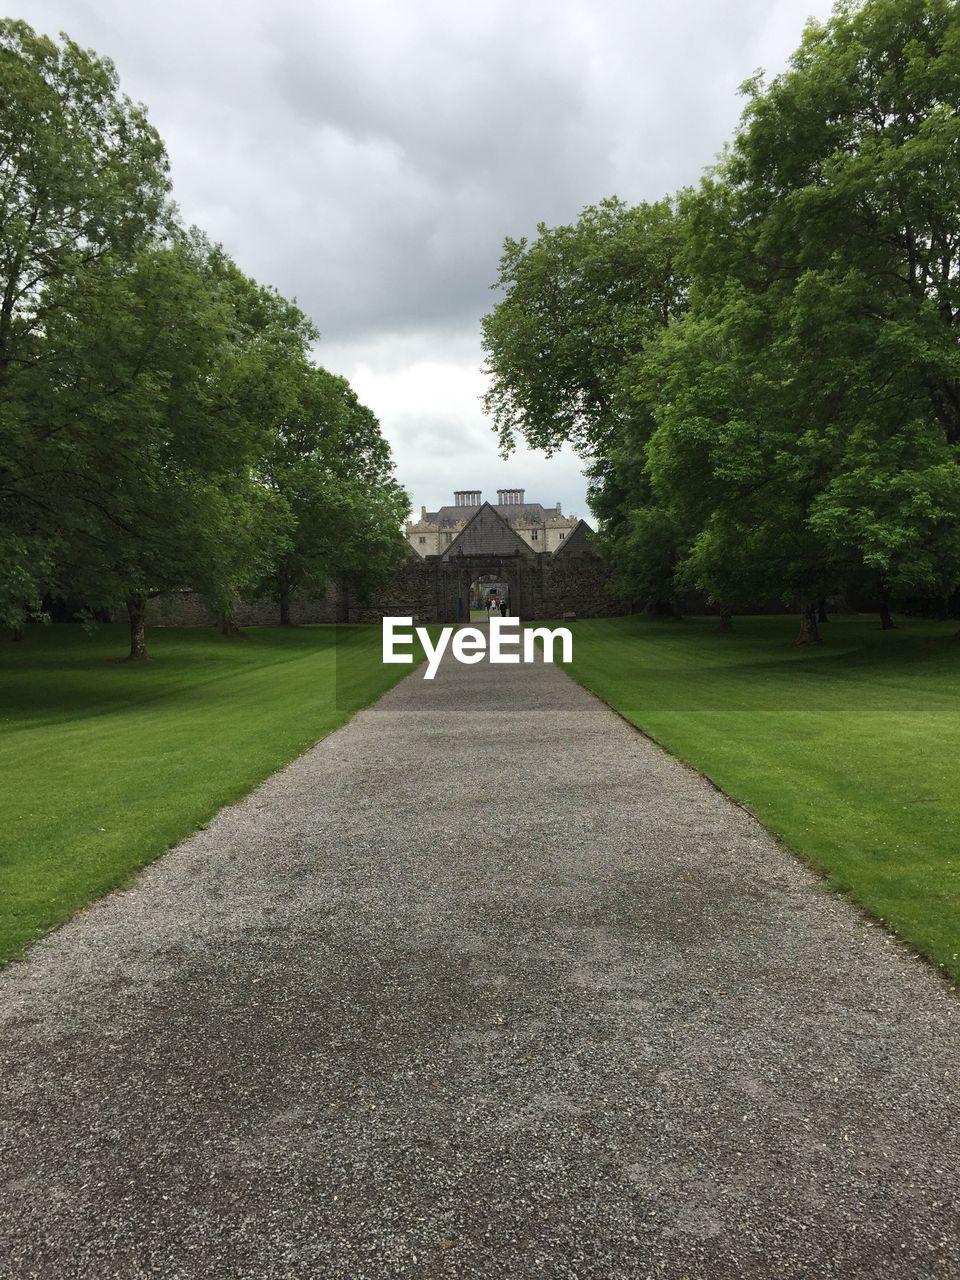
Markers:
point(535, 535)
point(423, 541)
point(562, 536)
point(448, 538)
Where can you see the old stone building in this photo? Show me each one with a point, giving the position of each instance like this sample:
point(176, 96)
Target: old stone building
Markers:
point(541, 528)
point(440, 587)
point(536, 583)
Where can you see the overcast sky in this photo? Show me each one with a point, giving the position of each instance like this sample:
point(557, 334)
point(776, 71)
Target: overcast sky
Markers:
point(368, 157)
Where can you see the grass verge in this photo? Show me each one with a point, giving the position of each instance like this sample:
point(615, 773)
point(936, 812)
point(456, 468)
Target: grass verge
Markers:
point(105, 764)
point(849, 751)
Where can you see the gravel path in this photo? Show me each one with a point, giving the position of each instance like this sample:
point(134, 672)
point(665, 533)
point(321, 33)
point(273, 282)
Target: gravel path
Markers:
point(483, 985)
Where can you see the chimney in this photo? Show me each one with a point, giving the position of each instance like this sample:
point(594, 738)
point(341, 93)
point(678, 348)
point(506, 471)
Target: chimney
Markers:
point(423, 513)
point(558, 508)
point(510, 497)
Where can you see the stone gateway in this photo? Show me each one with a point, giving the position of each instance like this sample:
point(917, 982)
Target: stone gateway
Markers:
point(540, 584)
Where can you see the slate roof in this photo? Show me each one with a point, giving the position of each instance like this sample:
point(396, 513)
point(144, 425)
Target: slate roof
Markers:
point(577, 541)
point(487, 534)
point(529, 510)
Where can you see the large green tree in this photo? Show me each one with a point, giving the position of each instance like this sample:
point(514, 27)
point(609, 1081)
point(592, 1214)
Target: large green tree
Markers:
point(332, 467)
point(83, 185)
point(161, 423)
point(580, 306)
point(789, 422)
point(810, 399)
point(579, 302)
point(146, 436)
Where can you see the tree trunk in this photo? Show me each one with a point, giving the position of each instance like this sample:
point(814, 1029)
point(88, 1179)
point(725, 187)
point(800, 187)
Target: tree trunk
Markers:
point(822, 610)
point(886, 621)
point(726, 618)
point(283, 596)
point(809, 631)
point(228, 625)
point(343, 600)
point(137, 612)
point(841, 603)
point(676, 609)
point(16, 632)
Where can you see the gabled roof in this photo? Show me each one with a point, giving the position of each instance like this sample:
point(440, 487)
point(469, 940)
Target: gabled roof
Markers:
point(577, 541)
point(487, 534)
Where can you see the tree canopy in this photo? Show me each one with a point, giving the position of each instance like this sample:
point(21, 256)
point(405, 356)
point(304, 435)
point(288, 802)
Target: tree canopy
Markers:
point(162, 423)
point(580, 301)
point(790, 423)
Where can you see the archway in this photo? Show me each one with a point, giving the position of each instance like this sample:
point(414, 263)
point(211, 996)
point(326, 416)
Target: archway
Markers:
point(460, 577)
point(489, 587)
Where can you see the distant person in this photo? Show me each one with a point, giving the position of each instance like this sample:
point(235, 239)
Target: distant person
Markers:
point(503, 608)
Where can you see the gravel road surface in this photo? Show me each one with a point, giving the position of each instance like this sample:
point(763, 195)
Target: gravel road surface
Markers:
point(485, 984)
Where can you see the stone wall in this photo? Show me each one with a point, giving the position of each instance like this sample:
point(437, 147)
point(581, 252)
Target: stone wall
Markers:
point(577, 584)
point(187, 609)
point(541, 585)
point(411, 592)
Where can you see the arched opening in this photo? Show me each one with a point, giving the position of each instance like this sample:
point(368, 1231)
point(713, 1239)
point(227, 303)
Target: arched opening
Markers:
point(466, 581)
point(489, 592)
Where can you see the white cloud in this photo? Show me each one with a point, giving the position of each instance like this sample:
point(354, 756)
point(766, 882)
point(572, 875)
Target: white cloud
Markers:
point(426, 392)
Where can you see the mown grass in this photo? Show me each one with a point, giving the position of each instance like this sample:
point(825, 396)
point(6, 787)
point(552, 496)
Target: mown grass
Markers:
point(105, 764)
point(849, 751)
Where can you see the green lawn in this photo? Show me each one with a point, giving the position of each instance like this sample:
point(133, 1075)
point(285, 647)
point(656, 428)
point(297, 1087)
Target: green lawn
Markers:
point(849, 751)
point(105, 764)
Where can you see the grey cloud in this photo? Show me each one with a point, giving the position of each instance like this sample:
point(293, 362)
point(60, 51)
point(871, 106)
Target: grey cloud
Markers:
point(370, 158)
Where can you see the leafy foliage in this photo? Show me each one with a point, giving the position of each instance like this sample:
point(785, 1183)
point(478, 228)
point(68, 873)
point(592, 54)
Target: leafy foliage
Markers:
point(151, 394)
point(790, 423)
point(579, 301)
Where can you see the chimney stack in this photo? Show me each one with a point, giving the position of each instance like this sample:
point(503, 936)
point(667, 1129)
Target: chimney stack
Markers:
point(510, 497)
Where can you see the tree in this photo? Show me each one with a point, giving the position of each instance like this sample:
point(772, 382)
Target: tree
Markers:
point(150, 393)
point(140, 429)
point(730, 462)
point(805, 407)
point(332, 467)
point(83, 186)
point(246, 529)
point(147, 440)
point(580, 302)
